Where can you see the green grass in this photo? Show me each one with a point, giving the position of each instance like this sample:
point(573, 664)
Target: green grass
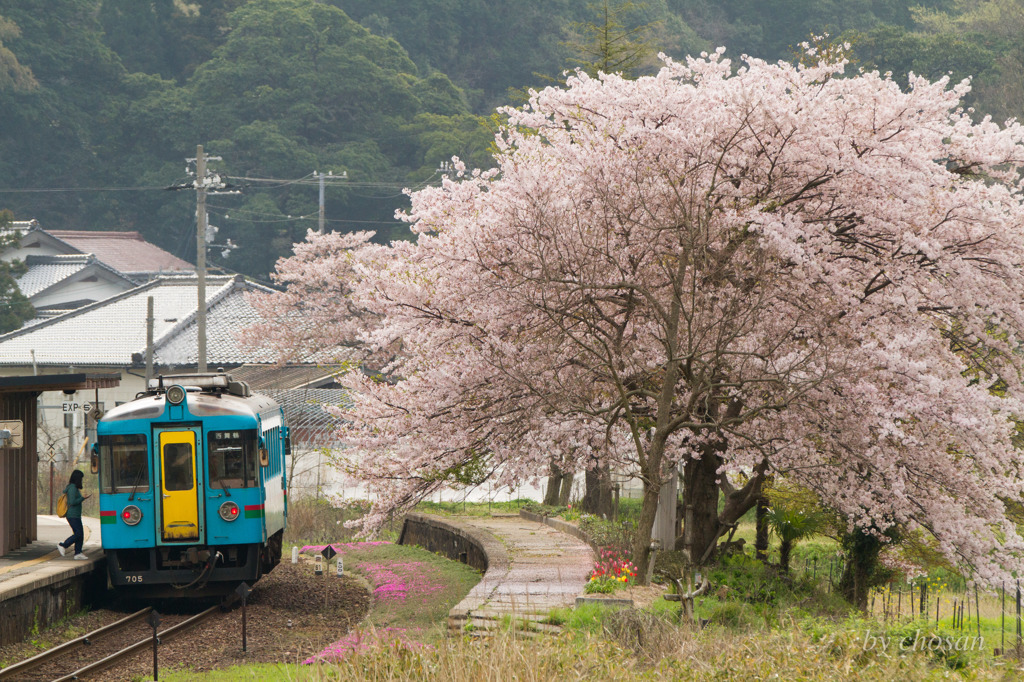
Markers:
point(471, 508)
point(257, 671)
point(583, 618)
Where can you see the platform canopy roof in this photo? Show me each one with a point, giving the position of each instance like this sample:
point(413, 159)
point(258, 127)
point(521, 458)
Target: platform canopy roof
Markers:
point(59, 382)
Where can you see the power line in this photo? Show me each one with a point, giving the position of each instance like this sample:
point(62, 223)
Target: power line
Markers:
point(25, 190)
point(282, 182)
point(277, 219)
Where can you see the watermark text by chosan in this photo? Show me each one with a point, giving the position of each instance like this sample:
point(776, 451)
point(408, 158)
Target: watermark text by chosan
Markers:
point(921, 641)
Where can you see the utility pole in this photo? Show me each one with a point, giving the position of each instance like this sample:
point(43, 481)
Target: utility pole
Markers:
point(204, 182)
point(149, 339)
point(322, 177)
point(201, 254)
point(321, 223)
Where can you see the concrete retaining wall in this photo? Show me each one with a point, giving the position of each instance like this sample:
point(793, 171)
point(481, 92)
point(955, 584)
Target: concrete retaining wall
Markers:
point(456, 541)
point(30, 608)
point(460, 542)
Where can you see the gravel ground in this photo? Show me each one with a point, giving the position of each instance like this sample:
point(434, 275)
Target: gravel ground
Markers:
point(291, 615)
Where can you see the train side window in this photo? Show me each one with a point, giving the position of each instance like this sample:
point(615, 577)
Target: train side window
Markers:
point(124, 464)
point(232, 458)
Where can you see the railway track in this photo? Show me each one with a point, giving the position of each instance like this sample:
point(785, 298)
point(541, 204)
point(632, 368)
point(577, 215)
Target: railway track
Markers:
point(40, 667)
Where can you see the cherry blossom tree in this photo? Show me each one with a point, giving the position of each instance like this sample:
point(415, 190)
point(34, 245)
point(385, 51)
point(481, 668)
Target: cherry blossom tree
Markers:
point(313, 318)
point(740, 272)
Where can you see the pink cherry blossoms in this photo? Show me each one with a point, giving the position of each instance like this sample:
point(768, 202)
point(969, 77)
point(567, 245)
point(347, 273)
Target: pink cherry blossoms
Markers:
point(770, 269)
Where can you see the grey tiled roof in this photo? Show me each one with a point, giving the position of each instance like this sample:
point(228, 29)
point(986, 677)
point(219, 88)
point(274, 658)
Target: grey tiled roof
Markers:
point(229, 313)
point(110, 332)
point(47, 271)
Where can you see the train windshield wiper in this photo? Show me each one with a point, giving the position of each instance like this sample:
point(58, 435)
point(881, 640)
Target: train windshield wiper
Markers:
point(138, 480)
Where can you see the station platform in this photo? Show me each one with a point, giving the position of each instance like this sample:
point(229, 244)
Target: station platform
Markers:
point(39, 586)
point(42, 558)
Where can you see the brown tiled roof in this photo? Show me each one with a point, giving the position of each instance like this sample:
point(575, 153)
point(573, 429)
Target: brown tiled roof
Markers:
point(127, 252)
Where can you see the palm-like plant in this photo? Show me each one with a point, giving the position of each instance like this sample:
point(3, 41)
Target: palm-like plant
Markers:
point(791, 526)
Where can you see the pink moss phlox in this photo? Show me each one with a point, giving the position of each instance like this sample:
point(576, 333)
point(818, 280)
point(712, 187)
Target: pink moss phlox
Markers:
point(362, 641)
point(395, 581)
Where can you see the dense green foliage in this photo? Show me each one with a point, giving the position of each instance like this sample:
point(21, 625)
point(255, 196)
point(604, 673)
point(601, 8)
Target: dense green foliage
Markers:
point(14, 306)
point(103, 100)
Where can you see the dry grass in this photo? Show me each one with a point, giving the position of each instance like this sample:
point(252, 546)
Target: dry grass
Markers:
point(316, 521)
point(709, 655)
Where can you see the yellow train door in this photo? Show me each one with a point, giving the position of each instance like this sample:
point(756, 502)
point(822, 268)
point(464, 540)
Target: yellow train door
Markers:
point(178, 486)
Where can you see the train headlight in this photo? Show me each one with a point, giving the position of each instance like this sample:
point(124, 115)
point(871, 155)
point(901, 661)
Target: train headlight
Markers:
point(131, 515)
point(229, 511)
point(175, 394)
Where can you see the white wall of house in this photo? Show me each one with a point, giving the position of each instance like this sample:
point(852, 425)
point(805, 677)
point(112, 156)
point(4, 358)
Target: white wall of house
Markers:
point(91, 287)
point(42, 247)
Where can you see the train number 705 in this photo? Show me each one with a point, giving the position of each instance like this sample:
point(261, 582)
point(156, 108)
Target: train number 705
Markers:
point(133, 578)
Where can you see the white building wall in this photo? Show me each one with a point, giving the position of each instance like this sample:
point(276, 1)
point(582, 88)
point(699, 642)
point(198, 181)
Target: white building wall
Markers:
point(77, 291)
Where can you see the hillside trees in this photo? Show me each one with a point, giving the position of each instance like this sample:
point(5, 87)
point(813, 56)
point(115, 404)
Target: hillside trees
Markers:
point(13, 76)
point(284, 88)
point(775, 270)
point(994, 28)
point(14, 306)
point(299, 86)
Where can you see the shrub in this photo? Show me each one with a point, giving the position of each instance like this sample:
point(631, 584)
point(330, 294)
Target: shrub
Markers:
point(613, 535)
point(316, 521)
point(731, 614)
point(646, 635)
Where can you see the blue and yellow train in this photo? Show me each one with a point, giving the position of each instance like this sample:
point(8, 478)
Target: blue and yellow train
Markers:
point(193, 496)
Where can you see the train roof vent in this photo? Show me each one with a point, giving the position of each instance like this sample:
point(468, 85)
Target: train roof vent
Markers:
point(239, 388)
point(202, 381)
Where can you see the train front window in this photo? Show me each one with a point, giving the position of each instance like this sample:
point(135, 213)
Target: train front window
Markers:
point(124, 464)
point(233, 459)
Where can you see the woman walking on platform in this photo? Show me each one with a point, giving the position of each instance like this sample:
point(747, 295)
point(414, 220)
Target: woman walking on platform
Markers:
point(74, 515)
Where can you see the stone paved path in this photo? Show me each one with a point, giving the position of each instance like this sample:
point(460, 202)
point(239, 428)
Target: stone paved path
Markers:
point(546, 569)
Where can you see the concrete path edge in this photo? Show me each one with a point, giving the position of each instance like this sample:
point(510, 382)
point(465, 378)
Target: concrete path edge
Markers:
point(563, 526)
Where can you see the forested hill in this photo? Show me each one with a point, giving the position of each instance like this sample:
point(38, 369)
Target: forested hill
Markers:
point(102, 101)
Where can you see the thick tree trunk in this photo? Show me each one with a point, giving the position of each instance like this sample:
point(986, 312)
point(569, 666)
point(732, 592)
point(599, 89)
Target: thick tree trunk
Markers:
point(785, 549)
point(597, 499)
point(761, 536)
point(700, 507)
point(554, 484)
point(552, 490)
point(591, 491)
point(853, 585)
point(644, 525)
point(605, 486)
point(861, 561)
point(566, 491)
